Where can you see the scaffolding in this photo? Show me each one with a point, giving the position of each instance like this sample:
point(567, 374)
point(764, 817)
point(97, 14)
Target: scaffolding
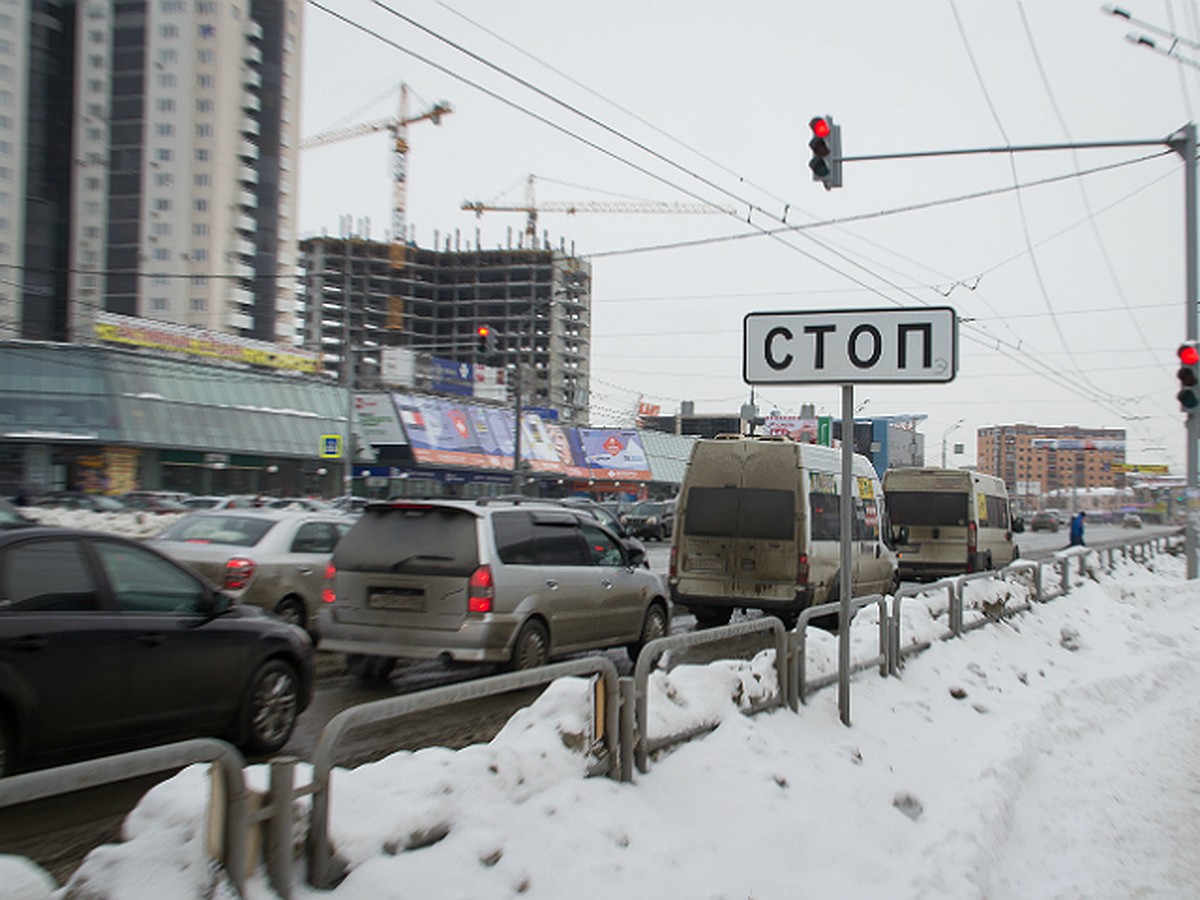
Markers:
point(537, 301)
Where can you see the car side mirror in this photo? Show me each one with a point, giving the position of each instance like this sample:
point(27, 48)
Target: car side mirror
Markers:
point(635, 553)
point(1018, 525)
point(902, 534)
point(215, 603)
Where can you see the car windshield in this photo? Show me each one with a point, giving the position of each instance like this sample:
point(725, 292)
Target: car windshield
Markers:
point(240, 531)
point(927, 508)
point(647, 509)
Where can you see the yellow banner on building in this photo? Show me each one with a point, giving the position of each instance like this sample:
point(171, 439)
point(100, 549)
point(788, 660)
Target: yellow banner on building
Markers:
point(167, 336)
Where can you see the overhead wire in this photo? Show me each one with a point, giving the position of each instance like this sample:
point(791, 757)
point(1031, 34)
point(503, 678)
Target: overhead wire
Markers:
point(1096, 396)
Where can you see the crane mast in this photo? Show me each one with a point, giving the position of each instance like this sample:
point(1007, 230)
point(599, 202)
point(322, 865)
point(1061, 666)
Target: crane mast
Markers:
point(397, 127)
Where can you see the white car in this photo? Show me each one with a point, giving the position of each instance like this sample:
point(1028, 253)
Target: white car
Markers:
point(220, 502)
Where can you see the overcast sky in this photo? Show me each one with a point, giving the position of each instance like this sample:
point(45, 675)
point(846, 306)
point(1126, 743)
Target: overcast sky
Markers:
point(1070, 294)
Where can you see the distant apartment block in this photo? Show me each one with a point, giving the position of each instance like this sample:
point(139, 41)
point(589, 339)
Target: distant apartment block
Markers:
point(1034, 460)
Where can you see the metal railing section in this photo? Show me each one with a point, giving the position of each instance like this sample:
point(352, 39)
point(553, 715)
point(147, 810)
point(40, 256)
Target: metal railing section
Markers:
point(652, 652)
point(228, 766)
point(800, 687)
point(323, 869)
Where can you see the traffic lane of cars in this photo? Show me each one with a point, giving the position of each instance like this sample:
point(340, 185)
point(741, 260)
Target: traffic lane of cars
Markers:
point(151, 653)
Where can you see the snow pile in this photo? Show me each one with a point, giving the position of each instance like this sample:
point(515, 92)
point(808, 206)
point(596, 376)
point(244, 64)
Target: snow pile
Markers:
point(130, 524)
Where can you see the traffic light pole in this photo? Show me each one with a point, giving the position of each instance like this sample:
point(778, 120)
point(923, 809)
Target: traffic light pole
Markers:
point(1184, 143)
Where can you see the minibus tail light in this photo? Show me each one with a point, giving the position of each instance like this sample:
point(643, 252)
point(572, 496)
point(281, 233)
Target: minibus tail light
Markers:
point(802, 570)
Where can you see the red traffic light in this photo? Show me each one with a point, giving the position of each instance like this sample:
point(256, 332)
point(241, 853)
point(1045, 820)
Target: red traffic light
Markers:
point(820, 127)
point(1189, 355)
point(483, 331)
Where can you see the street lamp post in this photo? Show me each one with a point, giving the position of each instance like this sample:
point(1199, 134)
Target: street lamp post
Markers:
point(946, 434)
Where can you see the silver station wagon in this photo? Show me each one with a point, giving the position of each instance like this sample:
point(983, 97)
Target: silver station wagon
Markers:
point(486, 581)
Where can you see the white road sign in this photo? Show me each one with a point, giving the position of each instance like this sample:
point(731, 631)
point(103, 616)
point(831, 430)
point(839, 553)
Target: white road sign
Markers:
point(851, 346)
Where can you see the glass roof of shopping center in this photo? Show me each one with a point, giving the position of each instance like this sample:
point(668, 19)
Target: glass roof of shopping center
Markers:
point(65, 392)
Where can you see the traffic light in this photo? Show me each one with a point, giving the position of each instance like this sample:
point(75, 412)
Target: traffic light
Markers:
point(1189, 395)
point(826, 147)
point(485, 339)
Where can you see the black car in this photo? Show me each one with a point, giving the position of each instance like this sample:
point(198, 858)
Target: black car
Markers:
point(651, 519)
point(108, 645)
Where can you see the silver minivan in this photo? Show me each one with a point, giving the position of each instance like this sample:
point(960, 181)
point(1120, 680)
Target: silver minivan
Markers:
point(484, 581)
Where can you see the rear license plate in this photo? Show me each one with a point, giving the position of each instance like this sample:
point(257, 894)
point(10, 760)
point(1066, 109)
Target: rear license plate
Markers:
point(705, 564)
point(412, 600)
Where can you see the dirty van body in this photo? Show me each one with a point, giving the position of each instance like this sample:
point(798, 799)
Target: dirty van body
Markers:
point(757, 526)
point(949, 522)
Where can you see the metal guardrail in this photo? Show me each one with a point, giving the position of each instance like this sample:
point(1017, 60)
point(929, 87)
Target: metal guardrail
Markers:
point(651, 653)
point(91, 773)
point(799, 688)
point(323, 868)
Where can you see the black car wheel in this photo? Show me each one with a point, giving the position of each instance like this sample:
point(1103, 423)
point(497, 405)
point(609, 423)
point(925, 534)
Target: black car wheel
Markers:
point(291, 610)
point(654, 626)
point(271, 707)
point(712, 616)
point(370, 669)
point(532, 648)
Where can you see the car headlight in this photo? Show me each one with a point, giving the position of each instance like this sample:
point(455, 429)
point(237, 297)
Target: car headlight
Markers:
point(652, 520)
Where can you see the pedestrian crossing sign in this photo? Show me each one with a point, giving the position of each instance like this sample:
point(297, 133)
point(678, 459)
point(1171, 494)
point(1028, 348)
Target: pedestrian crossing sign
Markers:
point(331, 446)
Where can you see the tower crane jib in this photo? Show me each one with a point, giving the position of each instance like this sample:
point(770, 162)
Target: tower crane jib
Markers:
point(397, 126)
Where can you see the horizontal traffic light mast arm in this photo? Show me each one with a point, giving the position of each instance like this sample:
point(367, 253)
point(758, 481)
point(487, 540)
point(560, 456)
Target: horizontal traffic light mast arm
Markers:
point(1029, 148)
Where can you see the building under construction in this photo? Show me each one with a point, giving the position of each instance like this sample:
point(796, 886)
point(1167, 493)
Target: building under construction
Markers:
point(361, 300)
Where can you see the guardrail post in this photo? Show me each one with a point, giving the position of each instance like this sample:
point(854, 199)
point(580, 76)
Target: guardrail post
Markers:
point(792, 692)
point(627, 734)
point(1064, 573)
point(894, 636)
point(956, 610)
point(281, 825)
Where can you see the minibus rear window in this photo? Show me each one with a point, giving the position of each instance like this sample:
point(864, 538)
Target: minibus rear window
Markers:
point(927, 508)
point(741, 512)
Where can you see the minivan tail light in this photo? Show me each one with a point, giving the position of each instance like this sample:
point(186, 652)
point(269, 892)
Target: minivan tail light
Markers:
point(802, 569)
point(328, 594)
point(972, 545)
point(673, 565)
point(482, 590)
point(238, 572)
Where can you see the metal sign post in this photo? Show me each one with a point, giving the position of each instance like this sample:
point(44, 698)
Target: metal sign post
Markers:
point(845, 589)
point(848, 347)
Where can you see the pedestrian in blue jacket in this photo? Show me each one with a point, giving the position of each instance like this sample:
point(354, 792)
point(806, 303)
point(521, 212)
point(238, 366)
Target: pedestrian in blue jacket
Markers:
point(1077, 529)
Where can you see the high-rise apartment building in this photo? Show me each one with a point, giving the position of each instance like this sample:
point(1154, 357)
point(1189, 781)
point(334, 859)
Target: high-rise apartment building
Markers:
point(35, 156)
point(537, 303)
point(1035, 460)
point(159, 176)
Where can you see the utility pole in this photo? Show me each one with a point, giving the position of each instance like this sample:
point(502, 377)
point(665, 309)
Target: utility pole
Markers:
point(1183, 142)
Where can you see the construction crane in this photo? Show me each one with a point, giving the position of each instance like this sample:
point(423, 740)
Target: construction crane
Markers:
point(398, 127)
point(531, 208)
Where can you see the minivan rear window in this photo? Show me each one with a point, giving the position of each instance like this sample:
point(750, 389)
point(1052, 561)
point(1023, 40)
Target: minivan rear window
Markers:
point(411, 539)
point(741, 512)
point(927, 508)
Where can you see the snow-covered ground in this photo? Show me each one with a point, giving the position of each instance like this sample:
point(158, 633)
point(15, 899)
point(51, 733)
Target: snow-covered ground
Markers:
point(1055, 754)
